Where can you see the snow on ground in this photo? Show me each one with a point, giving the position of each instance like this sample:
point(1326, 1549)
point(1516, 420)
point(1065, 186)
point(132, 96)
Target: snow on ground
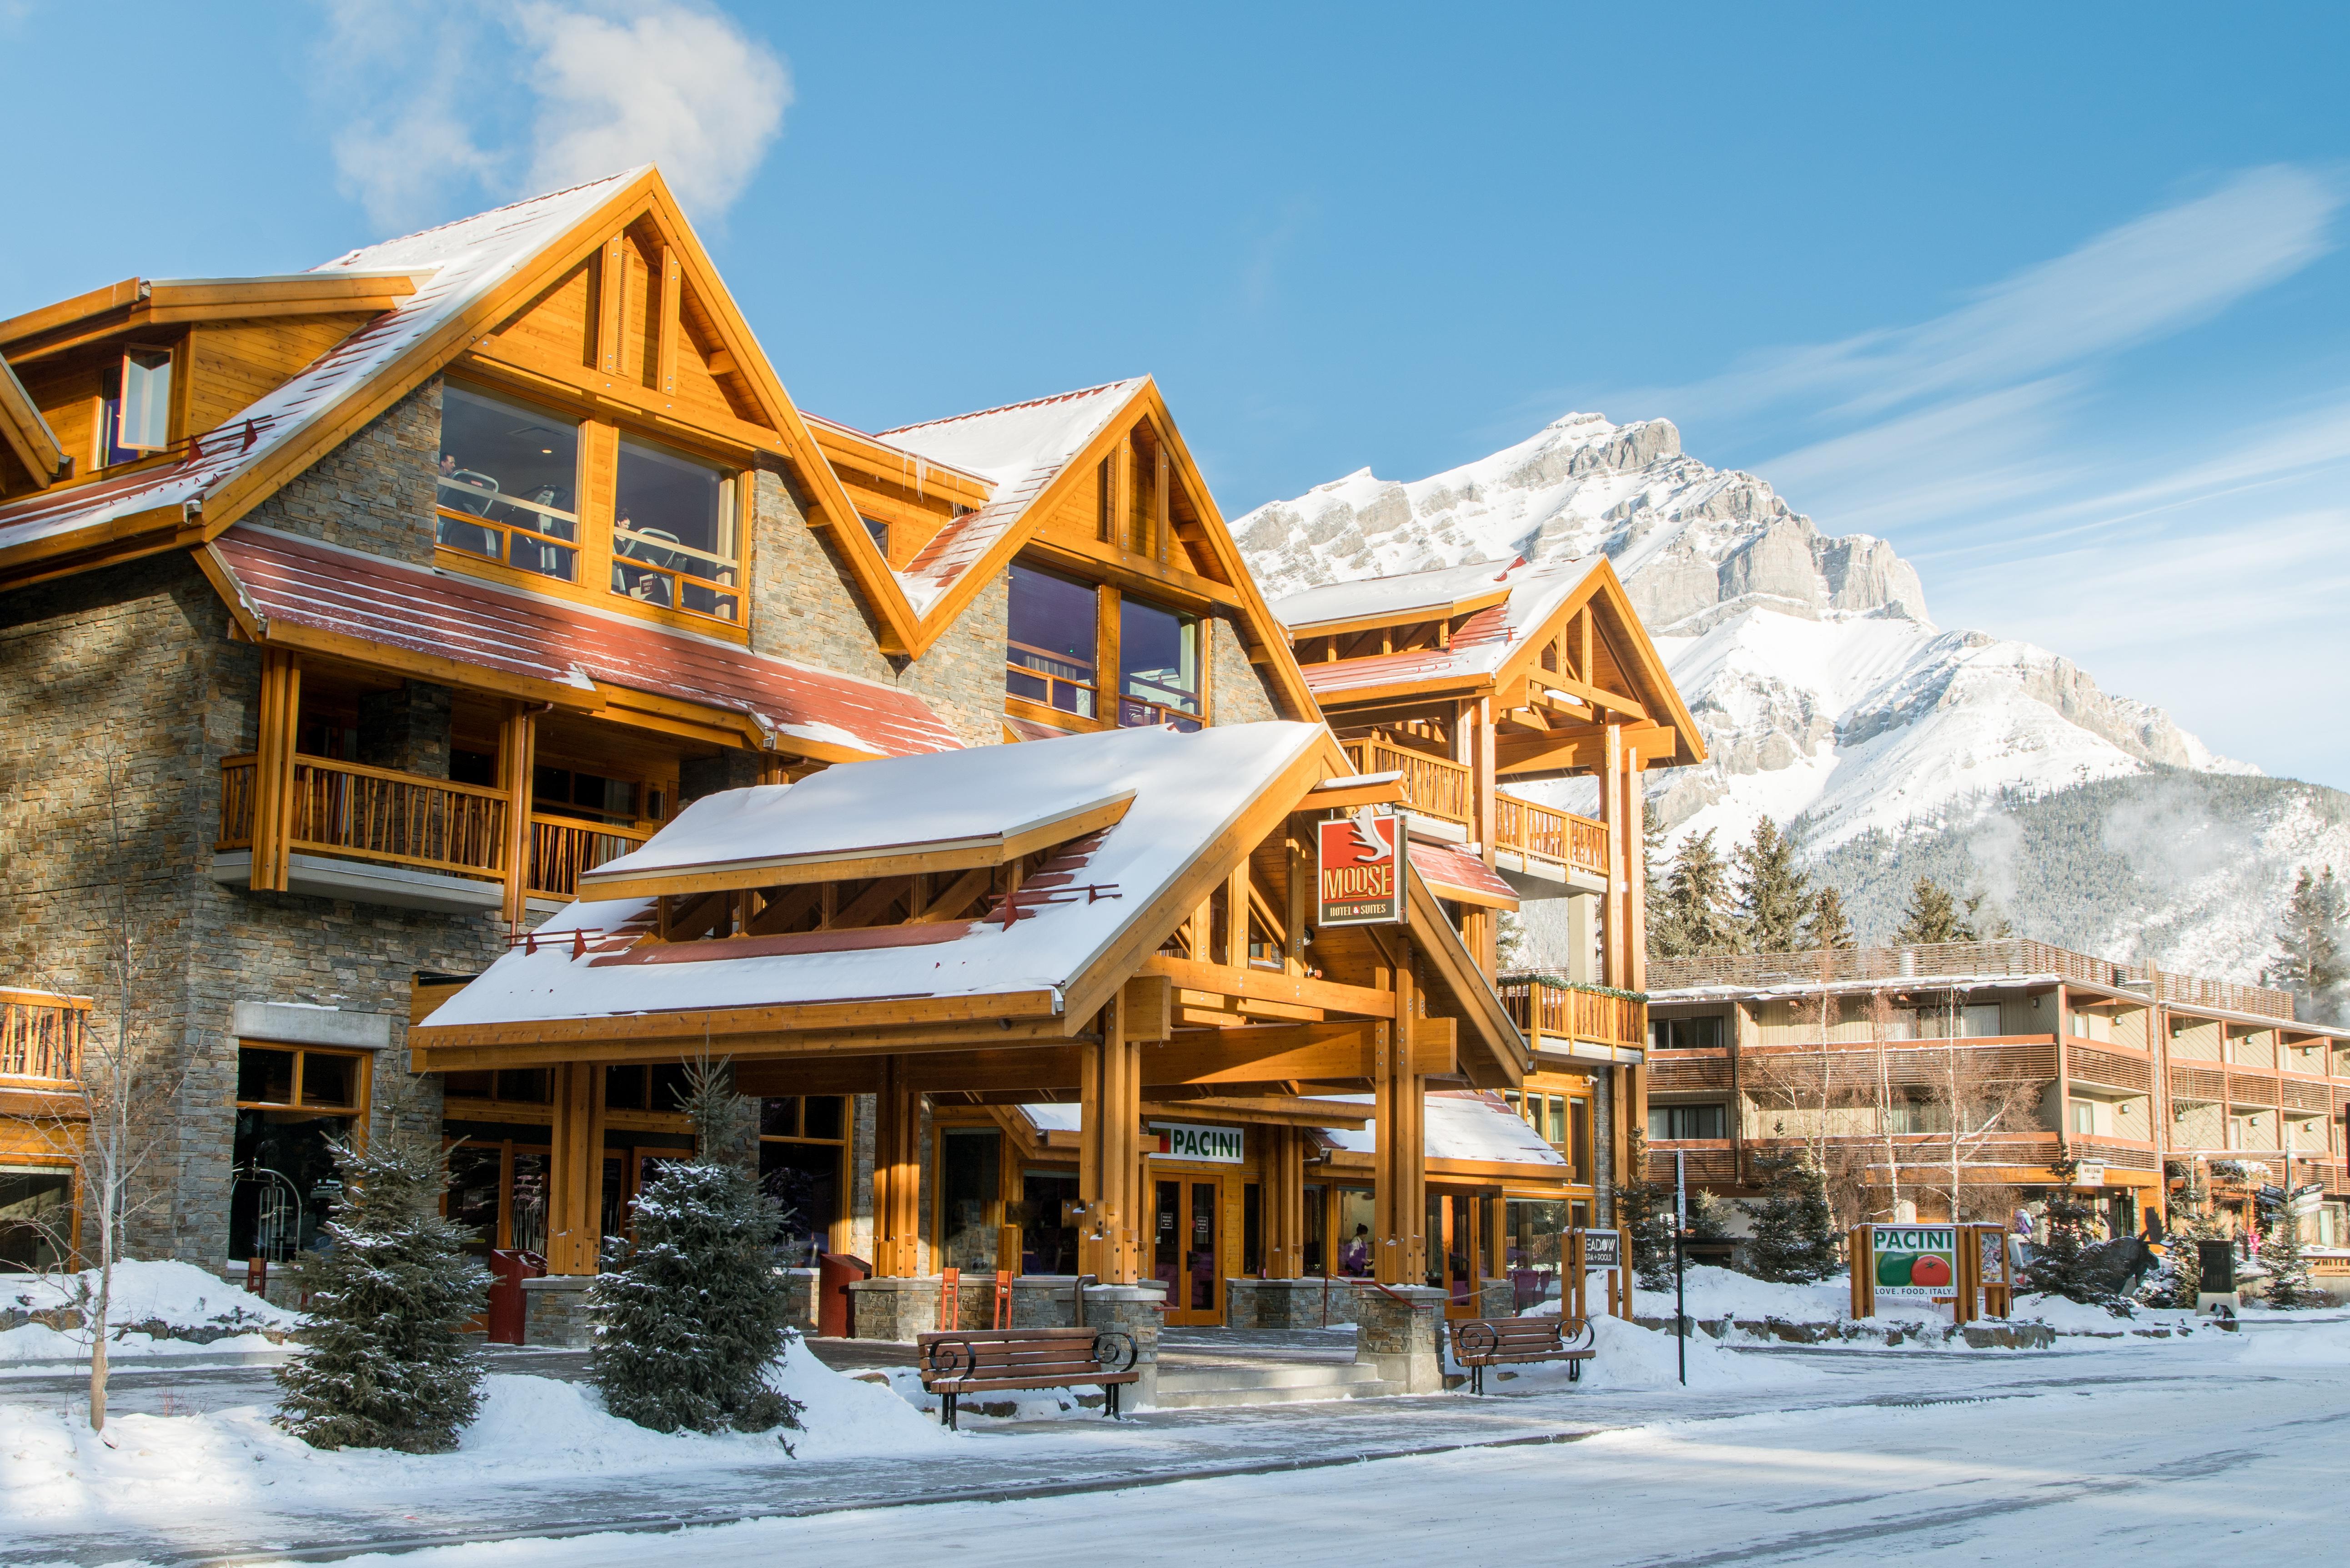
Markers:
point(198, 1310)
point(531, 1429)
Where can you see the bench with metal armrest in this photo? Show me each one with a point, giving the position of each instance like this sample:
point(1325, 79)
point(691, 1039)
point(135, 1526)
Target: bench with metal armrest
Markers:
point(1480, 1343)
point(979, 1361)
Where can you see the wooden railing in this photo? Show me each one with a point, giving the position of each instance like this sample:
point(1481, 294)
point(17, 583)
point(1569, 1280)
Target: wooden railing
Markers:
point(1543, 1009)
point(1542, 833)
point(365, 813)
point(560, 850)
point(40, 1035)
point(1436, 786)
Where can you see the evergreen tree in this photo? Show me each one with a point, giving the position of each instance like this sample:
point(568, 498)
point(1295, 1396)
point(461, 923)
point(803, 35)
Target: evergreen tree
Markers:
point(389, 1363)
point(1656, 905)
point(2313, 959)
point(1932, 916)
point(2063, 1265)
point(1696, 918)
point(1773, 896)
point(1985, 923)
point(1827, 925)
point(1709, 1216)
point(1795, 1239)
point(2288, 1266)
point(694, 1317)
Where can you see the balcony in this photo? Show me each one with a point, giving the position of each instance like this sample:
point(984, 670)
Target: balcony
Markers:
point(560, 851)
point(1530, 840)
point(41, 1037)
point(1576, 1021)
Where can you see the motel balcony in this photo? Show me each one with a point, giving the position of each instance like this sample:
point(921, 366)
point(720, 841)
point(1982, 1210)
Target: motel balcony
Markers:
point(1529, 841)
point(1577, 1020)
point(41, 1036)
point(375, 835)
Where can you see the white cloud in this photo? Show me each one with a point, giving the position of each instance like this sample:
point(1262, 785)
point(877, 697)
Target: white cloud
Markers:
point(444, 103)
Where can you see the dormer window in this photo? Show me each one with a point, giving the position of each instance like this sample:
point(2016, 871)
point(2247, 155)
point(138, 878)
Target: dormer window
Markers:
point(1158, 666)
point(507, 483)
point(138, 412)
point(673, 532)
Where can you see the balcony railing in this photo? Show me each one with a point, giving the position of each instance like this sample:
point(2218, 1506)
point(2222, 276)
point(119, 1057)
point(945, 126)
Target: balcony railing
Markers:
point(1540, 832)
point(1546, 1009)
point(357, 812)
point(560, 851)
point(1436, 786)
point(41, 1036)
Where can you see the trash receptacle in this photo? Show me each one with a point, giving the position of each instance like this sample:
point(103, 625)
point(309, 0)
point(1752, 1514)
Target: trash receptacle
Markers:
point(834, 1271)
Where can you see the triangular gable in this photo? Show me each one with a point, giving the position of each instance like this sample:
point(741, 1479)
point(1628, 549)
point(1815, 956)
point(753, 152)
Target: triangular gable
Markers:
point(25, 434)
point(1043, 453)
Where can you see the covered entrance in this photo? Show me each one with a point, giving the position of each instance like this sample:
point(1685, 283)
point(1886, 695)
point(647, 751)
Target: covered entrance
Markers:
point(1186, 1251)
point(1464, 1246)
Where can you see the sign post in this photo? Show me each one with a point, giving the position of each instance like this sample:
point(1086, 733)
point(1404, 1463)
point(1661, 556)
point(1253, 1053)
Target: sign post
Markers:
point(1361, 866)
point(1913, 1261)
point(1681, 1291)
point(1587, 1249)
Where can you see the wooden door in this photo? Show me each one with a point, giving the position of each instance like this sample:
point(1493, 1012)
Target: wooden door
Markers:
point(1188, 1224)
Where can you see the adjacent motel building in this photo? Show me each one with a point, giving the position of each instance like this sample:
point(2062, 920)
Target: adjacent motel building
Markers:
point(469, 687)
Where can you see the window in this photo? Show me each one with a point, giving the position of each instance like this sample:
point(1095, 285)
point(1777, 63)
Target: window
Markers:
point(508, 1085)
point(2084, 1116)
point(36, 1218)
point(137, 418)
point(878, 531)
point(1157, 665)
point(508, 484)
point(673, 532)
point(1685, 1034)
point(803, 1141)
point(563, 792)
point(968, 1161)
point(294, 1105)
point(1050, 641)
point(1048, 1245)
point(1686, 1122)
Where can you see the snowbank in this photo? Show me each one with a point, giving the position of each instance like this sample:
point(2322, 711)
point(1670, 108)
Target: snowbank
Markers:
point(531, 1429)
point(1632, 1357)
point(156, 1308)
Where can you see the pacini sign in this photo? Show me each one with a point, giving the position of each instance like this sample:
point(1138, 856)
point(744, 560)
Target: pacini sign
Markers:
point(1186, 1140)
point(1915, 1260)
point(1361, 874)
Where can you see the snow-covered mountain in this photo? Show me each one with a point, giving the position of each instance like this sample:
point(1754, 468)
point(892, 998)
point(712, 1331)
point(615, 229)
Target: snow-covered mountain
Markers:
point(1828, 697)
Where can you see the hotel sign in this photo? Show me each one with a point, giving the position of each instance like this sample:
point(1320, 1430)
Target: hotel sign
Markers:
point(1361, 880)
point(1187, 1140)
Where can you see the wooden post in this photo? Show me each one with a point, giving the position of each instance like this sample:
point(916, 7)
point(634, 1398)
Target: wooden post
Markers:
point(274, 806)
point(1236, 917)
point(1107, 654)
point(1162, 509)
point(576, 1179)
point(1864, 1272)
point(1284, 1203)
point(611, 308)
point(1121, 492)
point(1611, 809)
point(517, 763)
point(1300, 910)
point(1485, 781)
point(1636, 870)
point(1400, 1196)
point(897, 1172)
point(1109, 1150)
point(672, 285)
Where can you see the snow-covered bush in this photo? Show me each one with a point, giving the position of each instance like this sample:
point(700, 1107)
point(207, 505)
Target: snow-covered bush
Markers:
point(390, 1365)
point(694, 1315)
point(1795, 1239)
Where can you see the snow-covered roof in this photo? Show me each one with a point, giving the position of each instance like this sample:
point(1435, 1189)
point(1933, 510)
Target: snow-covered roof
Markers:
point(1484, 642)
point(1461, 1124)
point(1021, 447)
point(465, 260)
point(1188, 789)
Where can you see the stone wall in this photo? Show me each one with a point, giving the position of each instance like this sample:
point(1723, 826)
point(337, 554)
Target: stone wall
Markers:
point(130, 668)
point(374, 491)
point(1239, 693)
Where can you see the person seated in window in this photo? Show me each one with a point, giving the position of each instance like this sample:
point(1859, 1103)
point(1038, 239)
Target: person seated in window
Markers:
point(1355, 1257)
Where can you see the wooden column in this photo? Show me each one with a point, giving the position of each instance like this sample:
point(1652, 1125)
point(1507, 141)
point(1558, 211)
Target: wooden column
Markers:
point(1399, 1198)
point(274, 804)
point(1121, 492)
point(1162, 508)
point(1611, 811)
point(1284, 1203)
point(1300, 910)
point(576, 1180)
point(1485, 779)
point(611, 296)
point(1236, 917)
point(673, 285)
point(517, 761)
point(1108, 653)
point(1110, 1151)
point(897, 1172)
point(1636, 868)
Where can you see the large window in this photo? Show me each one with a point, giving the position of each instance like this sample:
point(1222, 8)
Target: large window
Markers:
point(1157, 665)
point(673, 532)
point(293, 1106)
point(1685, 1034)
point(1687, 1121)
point(1049, 653)
point(1048, 1244)
point(802, 1142)
point(969, 1162)
point(36, 1218)
point(508, 485)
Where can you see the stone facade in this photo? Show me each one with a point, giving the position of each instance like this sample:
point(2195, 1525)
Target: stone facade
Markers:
point(374, 491)
point(1240, 694)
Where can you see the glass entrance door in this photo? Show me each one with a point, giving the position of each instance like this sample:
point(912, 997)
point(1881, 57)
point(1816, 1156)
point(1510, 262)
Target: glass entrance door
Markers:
point(1183, 1254)
point(1459, 1249)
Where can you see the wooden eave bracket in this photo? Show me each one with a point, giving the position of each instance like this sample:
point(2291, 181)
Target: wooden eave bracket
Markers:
point(28, 434)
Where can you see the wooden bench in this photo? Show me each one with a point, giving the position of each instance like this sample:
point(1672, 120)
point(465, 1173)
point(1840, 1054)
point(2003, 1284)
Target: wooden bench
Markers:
point(1480, 1343)
point(979, 1361)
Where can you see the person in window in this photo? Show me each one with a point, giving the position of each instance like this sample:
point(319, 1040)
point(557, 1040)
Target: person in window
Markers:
point(646, 587)
point(450, 495)
point(1355, 1257)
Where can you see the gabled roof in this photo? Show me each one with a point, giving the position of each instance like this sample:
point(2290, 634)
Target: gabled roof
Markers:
point(26, 433)
point(304, 594)
point(1188, 790)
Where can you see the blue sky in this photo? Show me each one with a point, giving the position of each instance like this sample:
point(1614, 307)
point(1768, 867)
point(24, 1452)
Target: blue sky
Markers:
point(2052, 297)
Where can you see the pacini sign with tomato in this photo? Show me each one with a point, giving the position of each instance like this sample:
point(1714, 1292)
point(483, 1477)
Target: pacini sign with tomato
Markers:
point(1916, 1259)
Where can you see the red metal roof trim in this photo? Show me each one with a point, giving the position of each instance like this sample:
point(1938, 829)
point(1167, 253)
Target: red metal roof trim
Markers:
point(306, 583)
point(1442, 867)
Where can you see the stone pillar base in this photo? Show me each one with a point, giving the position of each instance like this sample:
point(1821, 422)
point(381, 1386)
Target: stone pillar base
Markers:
point(799, 1298)
point(1497, 1298)
point(554, 1312)
point(1288, 1304)
point(1397, 1330)
point(892, 1309)
point(1134, 1310)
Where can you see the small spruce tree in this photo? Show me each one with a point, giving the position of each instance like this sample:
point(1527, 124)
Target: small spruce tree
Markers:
point(2288, 1265)
point(1795, 1239)
point(693, 1316)
point(2313, 959)
point(1773, 894)
point(1932, 916)
point(389, 1363)
point(1827, 925)
point(1697, 903)
point(2063, 1265)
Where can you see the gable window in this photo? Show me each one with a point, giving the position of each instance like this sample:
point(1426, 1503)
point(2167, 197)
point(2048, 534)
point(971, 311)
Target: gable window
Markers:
point(508, 486)
point(1049, 641)
point(878, 531)
point(1158, 666)
point(137, 418)
point(673, 532)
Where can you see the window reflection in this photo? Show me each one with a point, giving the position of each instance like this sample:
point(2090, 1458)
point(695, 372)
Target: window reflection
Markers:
point(673, 532)
point(505, 487)
point(1049, 653)
point(1158, 666)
